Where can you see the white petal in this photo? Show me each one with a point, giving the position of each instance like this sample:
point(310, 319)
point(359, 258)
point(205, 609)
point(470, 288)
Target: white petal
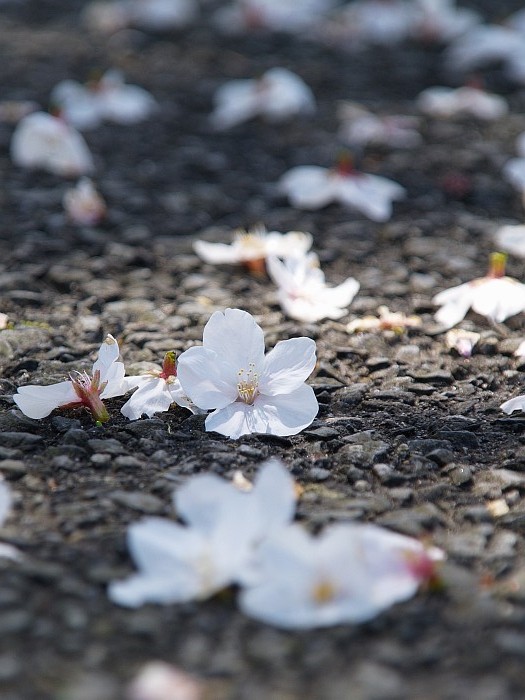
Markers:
point(511, 238)
point(208, 381)
point(150, 398)
point(108, 353)
point(274, 490)
point(287, 366)
point(369, 194)
point(236, 338)
point(236, 102)
point(308, 187)
point(498, 299)
point(216, 253)
point(291, 244)
point(452, 313)
point(199, 500)
point(5, 501)
point(288, 414)
point(141, 588)
point(39, 401)
point(238, 419)
point(514, 172)
point(516, 404)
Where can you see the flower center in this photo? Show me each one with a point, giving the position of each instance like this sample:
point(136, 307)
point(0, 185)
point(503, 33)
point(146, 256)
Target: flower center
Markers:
point(248, 384)
point(323, 592)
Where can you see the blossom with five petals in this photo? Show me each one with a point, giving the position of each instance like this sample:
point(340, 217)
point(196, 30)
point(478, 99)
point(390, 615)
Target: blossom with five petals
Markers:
point(303, 293)
point(82, 389)
point(224, 526)
point(495, 296)
point(251, 392)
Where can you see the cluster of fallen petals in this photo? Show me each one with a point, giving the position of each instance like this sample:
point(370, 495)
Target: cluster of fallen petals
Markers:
point(288, 578)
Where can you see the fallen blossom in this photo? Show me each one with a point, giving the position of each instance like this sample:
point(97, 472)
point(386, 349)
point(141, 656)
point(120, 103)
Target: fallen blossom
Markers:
point(249, 392)
point(463, 342)
point(511, 238)
point(494, 296)
point(277, 96)
point(4, 321)
point(83, 204)
point(296, 17)
point(158, 680)
point(303, 293)
point(349, 573)
point(252, 247)
point(110, 98)
point(82, 389)
point(43, 141)
point(157, 15)
point(364, 22)
point(360, 127)
point(314, 187)
point(224, 526)
point(446, 102)
point(7, 551)
point(156, 391)
point(387, 320)
point(441, 20)
point(12, 111)
point(515, 404)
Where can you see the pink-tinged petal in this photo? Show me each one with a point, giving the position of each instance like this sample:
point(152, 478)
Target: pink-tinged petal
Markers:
point(217, 253)
point(287, 366)
point(288, 414)
point(200, 499)
point(236, 338)
point(150, 398)
point(308, 187)
point(39, 401)
point(206, 379)
point(516, 404)
point(108, 353)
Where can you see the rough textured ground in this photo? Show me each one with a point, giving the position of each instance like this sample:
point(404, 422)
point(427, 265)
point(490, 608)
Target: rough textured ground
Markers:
point(409, 435)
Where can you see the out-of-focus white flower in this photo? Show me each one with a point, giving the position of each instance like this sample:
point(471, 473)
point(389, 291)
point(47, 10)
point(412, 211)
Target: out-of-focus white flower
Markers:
point(495, 296)
point(83, 204)
point(363, 22)
point(443, 102)
point(296, 16)
point(386, 321)
point(158, 680)
point(251, 248)
point(511, 238)
point(105, 382)
point(302, 290)
point(7, 551)
point(43, 141)
point(350, 573)
point(156, 15)
point(314, 187)
point(4, 318)
point(441, 20)
point(514, 170)
point(12, 111)
point(156, 391)
point(225, 525)
point(278, 95)
point(360, 127)
point(251, 392)
point(110, 98)
point(463, 342)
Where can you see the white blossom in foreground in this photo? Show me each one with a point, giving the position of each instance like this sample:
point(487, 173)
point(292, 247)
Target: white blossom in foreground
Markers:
point(277, 96)
point(158, 680)
point(43, 141)
point(463, 342)
point(441, 20)
point(296, 16)
point(110, 98)
point(303, 293)
point(81, 389)
point(314, 187)
point(349, 573)
point(511, 238)
point(360, 127)
point(446, 102)
point(7, 551)
point(156, 391)
point(495, 296)
point(251, 248)
point(83, 204)
point(387, 320)
point(157, 15)
point(249, 391)
point(224, 526)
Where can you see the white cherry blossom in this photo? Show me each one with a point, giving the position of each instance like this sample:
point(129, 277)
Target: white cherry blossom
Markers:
point(462, 341)
point(156, 391)
point(441, 20)
point(43, 141)
point(446, 102)
point(349, 573)
point(515, 404)
point(495, 296)
point(314, 187)
point(363, 22)
point(224, 526)
point(277, 96)
point(249, 391)
point(303, 293)
point(157, 15)
point(83, 204)
point(82, 389)
point(387, 320)
point(360, 127)
point(252, 247)
point(296, 16)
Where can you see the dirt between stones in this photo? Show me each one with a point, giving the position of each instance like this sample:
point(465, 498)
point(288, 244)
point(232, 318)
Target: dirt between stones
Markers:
point(409, 435)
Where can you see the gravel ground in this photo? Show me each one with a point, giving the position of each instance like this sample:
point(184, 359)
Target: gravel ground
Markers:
point(409, 435)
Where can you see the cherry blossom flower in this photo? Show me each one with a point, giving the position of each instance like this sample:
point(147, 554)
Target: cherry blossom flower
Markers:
point(178, 563)
point(277, 96)
point(251, 248)
point(250, 392)
point(511, 238)
point(314, 187)
point(158, 680)
point(43, 141)
point(350, 573)
point(360, 127)
point(386, 321)
point(303, 293)
point(110, 98)
point(83, 204)
point(446, 102)
point(463, 342)
point(441, 20)
point(81, 389)
point(7, 551)
point(156, 15)
point(277, 15)
point(495, 296)
point(156, 391)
